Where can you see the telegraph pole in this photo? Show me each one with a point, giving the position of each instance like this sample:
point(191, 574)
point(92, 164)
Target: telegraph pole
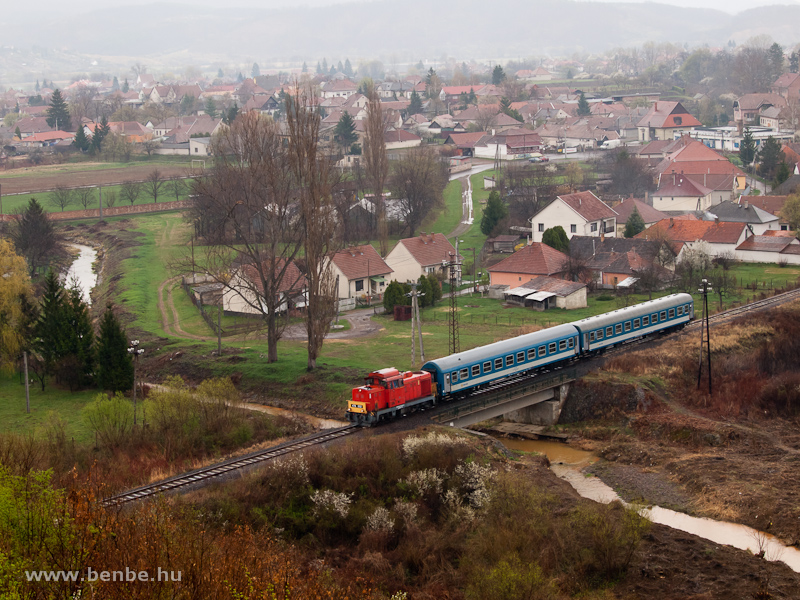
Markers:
point(705, 289)
point(452, 318)
point(414, 295)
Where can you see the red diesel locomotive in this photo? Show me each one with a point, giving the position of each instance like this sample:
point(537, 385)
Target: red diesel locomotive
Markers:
point(388, 393)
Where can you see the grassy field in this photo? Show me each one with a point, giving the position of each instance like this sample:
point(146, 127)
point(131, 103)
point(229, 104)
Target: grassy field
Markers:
point(447, 218)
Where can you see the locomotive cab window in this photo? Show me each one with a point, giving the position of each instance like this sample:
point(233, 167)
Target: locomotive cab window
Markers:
point(498, 364)
point(609, 331)
point(627, 325)
point(645, 321)
point(520, 357)
point(509, 360)
point(542, 351)
point(562, 345)
point(671, 313)
point(663, 315)
point(636, 323)
point(464, 374)
point(531, 354)
point(487, 366)
point(476, 370)
point(618, 328)
point(552, 347)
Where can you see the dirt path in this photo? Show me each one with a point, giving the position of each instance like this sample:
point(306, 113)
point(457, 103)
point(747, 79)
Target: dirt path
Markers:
point(464, 226)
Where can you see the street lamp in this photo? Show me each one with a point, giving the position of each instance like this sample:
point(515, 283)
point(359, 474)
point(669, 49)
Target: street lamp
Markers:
point(135, 352)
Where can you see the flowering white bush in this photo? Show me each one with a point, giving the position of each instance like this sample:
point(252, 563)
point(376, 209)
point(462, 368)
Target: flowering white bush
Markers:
point(412, 443)
point(406, 511)
point(427, 480)
point(294, 468)
point(474, 480)
point(330, 500)
point(380, 520)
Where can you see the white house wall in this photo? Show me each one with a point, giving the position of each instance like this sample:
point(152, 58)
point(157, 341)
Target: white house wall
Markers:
point(753, 256)
point(559, 213)
point(405, 266)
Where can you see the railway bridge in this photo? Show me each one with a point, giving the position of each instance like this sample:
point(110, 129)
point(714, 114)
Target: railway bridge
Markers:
point(537, 401)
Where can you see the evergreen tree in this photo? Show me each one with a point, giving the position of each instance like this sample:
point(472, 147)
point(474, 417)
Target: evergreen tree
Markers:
point(324, 65)
point(634, 225)
point(775, 54)
point(231, 113)
point(220, 73)
point(126, 86)
point(782, 174)
point(76, 364)
point(211, 108)
point(495, 211)
point(100, 133)
point(114, 364)
point(583, 106)
point(415, 104)
point(556, 238)
point(81, 142)
point(239, 77)
point(747, 148)
point(505, 108)
point(424, 288)
point(319, 69)
point(255, 71)
point(34, 236)
point(345, 131)
point(348, 68)
point(305, 67)
point(794, 62)
point(18, 133)
point(770, 157)
point(394, 296)
point(498, 75)
point(436, 289)
point(37, 88)
point(332, 72)
point(49, 329)
point(58, 113)
point(115, 84)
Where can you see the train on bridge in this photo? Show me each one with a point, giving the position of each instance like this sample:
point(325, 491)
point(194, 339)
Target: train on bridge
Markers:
point(388, 393)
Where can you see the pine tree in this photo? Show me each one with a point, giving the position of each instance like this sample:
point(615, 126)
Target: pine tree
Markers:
point(324, 65)
point(340, 67)
point(747, 148)
point(18, 133)
point(77, 360)
point(424, 289)
point(583, 106)
point(319, 69)
point(305, 67)
point(34, 236)
point(114, 364)
point(770, 157)
point(394, 296)
point(37, 88)
point(556, 238)
point(255, 71)
point(100, 133)
point(415, 104)
point(231, 114)
point(436, 289)
point(49, 329)
point(782, 174)
point(126, 86)
point(348, 68)
point(58, 113)
point(345, 131)
point(634, 225)
point(115, 84)
point(495, 211)
point(498, 75)
point(81, 142)
point(211, 108)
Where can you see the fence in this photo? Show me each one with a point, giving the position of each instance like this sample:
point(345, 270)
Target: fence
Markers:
point(250, 324)
point(490, 319)
point(114, 211)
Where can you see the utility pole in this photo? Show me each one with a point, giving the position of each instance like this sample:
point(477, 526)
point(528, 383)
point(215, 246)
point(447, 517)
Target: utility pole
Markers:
point(452, 317)
point(705, 289)
point(135, 352)
point(100, 200)
point(27, 384)
point(414, 295)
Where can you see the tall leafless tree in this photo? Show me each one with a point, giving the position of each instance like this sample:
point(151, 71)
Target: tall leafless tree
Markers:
point(130, 191)
point(377, 163)
point(253, 236)
point(315, 178)
point(85, 196)
point(153, 184)
point(418, 181)
point(62, 197)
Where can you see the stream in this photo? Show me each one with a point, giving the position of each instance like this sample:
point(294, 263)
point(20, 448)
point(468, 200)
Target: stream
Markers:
point(568, 463)
point(81, 271)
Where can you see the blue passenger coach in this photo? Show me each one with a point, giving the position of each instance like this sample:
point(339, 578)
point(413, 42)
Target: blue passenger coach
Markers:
point(463, 372)
point(609, 329)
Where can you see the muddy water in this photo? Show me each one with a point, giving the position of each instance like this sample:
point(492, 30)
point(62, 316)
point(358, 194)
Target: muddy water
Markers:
point(81, 271)
point(567, 463)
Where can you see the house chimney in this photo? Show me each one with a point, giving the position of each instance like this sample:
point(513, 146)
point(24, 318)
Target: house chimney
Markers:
point(671, 222)
point(746, 205)
point(431, 239)
point(655, 106)
point(647, 198)
point(673, 176)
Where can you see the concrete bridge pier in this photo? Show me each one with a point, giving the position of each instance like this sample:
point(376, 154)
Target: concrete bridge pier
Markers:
point(543, 412)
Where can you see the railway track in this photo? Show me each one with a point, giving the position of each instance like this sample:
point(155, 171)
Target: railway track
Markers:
point(228, 467)
point(732, 313)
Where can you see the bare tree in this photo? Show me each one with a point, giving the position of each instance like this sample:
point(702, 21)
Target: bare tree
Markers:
point(255, 232)
point(110, 199)
point(82, 102)
point(177, 187)
point(130, 191)
point(62, 197)
point(85, 196)
point(377, 163)
point(315, 175)
point(418, 181)
point(485, 116)
point(153, 184)
point(150, 146)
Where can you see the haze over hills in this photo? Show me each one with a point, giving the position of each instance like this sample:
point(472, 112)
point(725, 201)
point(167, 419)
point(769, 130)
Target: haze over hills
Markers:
point(405, 29)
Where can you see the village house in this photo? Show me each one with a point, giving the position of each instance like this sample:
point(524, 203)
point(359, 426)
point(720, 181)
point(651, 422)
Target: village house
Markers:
point(541, 293)
point(425, 254)
point(681, 234)
point(531, 261)
point(361, 272)
point(664, 121)
point(625, 209)
point(758, 221)
point(769, 249)
point(513, 144)
point(618, 262)
point(581, 213)
point(244, 293)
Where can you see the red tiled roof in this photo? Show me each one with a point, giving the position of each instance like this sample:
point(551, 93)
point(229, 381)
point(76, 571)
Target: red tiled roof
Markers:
point(765, 243)
point(786, 80)
point(360, 261)
point(771, 204)
point(399, 135)
point(465, 140)
point(589, 206)
point(429, 249)
point(46, 136)
point(779, 233)
point(679, 230)
point(681, 186)
point(292, 280)
point(535, 259)
point(649, 214)
point(666, 114)
point(559, 287)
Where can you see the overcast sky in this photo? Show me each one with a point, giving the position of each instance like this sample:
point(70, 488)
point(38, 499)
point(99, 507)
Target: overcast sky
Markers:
point(76, 6)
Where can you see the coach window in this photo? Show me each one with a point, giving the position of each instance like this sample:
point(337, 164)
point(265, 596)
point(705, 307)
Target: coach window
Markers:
point(455, 377)
point(663, 315)
point(636, 323)
point(627, 325)
point(487, 366)
point(671, 313)
point(591, 336)
point(520, 357)
point(498, 364)
point(476, 370)
point(464, 374)
point(680, 311)
point(645, 321)
point(609, 331)
point(509, 360)
point(552, 347)
point(599, 334)
point(542, 351)
point(531, 354)
point(571, 342)
point(562, 345)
